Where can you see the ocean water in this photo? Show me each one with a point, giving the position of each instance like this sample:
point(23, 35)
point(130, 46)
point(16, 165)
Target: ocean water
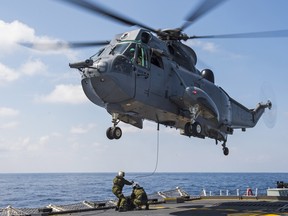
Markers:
point(40, 190)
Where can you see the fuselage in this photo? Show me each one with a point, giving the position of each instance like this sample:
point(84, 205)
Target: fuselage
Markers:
point(143, 80)
point(139, 76)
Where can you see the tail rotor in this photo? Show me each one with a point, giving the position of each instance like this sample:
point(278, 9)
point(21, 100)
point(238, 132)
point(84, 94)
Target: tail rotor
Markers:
point(267, 95)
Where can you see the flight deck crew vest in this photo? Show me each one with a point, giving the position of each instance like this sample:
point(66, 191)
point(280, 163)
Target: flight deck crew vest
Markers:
point(140, 194)
point(118, 182)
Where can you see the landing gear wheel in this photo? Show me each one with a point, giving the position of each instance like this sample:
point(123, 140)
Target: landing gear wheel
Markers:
point(225, 151)
point(188, 129)
point(117, 132)
point(113, 133)
point(109, 133)
point(194, 129)
point(197, 128)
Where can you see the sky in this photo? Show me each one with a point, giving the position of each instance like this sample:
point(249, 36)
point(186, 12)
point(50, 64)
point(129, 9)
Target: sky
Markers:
point(48, 125)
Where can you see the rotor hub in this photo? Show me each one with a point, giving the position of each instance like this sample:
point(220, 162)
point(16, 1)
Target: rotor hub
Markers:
point(172, 34)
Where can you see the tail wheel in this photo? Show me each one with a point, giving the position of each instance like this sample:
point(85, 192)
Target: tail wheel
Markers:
point(225, 151)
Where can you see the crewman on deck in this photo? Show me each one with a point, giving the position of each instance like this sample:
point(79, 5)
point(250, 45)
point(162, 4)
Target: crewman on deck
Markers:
point(139, 197)
point(118, 183)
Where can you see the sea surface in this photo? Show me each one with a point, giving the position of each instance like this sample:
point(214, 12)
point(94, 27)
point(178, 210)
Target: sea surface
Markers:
point(40, 190)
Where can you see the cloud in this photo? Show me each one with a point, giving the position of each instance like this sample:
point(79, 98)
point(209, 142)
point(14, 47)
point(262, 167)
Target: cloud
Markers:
point(205, 46)
point(32, 67)
point(19, 144)
point(29, 68)
point(72, 94)
point(7, 74)
point(30, 144)
point(15, 33)
point(213, 48)
point(5, 111)
point(82, 129)
point(9, 125)
point(43, 140)
point(8, 112)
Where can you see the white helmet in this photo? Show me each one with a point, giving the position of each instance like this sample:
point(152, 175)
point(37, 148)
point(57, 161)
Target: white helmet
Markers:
point(135, 185)
point(121, 173)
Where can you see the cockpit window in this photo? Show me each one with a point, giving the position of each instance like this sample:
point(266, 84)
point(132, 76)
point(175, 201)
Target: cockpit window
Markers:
point(119, 48)
point(142, 56)
point(156, 60)
point(95, 56)
point(130, 52)
point(138, 54)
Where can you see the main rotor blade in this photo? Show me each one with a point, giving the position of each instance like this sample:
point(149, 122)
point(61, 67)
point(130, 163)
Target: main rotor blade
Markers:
point(87, 44)
point(263, 34)
point(92, 7)
point(201, 10)
point(62, 45)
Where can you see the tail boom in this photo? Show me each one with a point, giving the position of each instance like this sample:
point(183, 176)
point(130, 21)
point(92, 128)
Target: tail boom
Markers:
point(242, 117)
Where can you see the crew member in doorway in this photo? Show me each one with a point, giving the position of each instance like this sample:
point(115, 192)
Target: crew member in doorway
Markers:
point(118, 183)
point(139, 197)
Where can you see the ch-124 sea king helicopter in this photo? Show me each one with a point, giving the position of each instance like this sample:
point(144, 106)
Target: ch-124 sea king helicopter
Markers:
point(150, 74)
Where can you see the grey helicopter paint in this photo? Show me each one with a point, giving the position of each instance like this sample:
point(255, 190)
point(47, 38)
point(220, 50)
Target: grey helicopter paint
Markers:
point(150, 74)
point(139, 76)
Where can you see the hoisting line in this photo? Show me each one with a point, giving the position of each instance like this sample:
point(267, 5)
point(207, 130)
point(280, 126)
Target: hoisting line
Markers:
point(157, 157)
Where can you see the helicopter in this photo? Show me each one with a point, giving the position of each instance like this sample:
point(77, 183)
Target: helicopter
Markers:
point(150, 74)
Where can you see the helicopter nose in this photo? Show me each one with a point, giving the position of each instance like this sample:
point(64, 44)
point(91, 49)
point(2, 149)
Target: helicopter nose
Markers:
point(90, 72)
point(82, 64)
point(96, 69)
point(101, 66)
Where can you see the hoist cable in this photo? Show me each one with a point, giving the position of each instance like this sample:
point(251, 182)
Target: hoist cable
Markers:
point(157, 157)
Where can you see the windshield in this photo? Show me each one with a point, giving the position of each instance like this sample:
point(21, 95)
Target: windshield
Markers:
point(136, 53)
point(119, 48)
point(126, 49)
point(95, 56)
